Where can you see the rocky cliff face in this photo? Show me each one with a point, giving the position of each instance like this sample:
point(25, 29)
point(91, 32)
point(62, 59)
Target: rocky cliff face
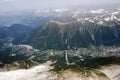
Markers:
point(19, 65)
point(105, 73)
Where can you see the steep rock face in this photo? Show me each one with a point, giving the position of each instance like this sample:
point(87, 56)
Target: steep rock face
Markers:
point(54, 35)
point(105, 73)
point(19, 64)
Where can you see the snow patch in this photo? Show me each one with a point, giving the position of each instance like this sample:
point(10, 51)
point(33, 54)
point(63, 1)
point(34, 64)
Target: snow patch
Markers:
point(28, 47)
point(61, 10)
point(99, 11)
point(59, 23)
point(107, 19)
point(30, 74)
point(41, 72)
point(100, 22)
point(91, 21)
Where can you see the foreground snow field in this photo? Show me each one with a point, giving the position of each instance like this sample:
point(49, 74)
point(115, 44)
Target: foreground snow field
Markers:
point(41, 72)
point(36, 73)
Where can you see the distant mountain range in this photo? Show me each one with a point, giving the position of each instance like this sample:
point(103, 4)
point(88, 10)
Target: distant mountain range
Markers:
point(79, 40)
point(13, 33)
point(79, 28)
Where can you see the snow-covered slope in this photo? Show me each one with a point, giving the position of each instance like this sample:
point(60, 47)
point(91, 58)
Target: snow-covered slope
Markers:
point(41, 72)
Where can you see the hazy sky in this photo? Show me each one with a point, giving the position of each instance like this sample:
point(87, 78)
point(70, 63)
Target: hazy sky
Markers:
point(9, 5)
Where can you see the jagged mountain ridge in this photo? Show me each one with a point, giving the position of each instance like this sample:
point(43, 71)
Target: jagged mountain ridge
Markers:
point(56, 35)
